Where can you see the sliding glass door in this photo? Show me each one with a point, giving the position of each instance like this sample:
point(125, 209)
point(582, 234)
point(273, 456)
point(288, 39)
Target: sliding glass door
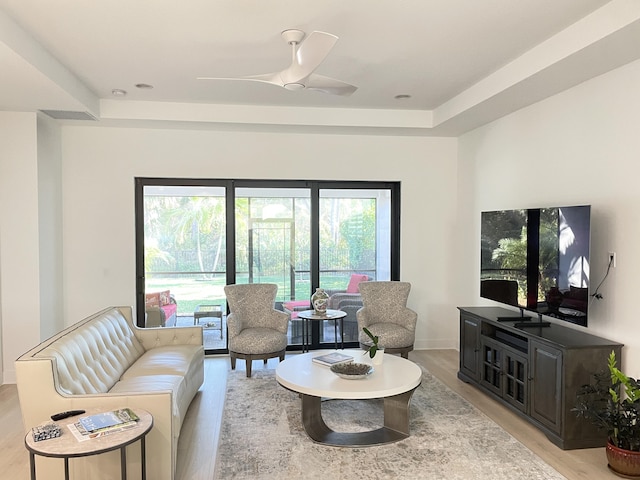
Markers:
point(355, 245)
point(273, 246)
point(195, 236)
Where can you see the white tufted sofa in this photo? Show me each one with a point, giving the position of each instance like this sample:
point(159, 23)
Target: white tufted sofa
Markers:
point(105, 361)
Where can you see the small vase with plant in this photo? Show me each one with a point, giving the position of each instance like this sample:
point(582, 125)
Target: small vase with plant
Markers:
point(374, 350)
point(612, 403)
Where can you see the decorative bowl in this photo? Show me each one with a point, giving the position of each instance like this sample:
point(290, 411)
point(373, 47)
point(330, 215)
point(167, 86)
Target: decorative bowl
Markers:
point(352, 370)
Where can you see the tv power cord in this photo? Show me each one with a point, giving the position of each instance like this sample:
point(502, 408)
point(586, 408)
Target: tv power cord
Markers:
point(596, 294)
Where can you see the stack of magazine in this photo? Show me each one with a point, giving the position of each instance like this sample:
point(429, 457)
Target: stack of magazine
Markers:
point(100, 424)
point(332, 358)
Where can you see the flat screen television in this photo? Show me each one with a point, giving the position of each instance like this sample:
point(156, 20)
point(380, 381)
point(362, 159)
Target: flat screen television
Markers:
point(537, 259)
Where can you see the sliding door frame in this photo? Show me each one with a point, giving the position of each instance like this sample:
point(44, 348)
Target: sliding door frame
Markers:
point(230, 185)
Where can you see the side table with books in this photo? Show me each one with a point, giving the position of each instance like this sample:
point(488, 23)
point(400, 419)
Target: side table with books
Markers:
point(98, 432)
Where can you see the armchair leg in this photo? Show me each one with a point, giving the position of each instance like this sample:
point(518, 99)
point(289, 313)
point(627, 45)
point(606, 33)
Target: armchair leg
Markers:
point(233, 362)
point(249, 363)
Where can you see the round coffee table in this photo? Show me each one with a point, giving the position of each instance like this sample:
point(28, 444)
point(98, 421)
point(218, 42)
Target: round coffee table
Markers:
point(394, 381)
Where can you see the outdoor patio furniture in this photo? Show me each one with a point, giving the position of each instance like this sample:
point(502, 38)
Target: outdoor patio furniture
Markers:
point(209, 311)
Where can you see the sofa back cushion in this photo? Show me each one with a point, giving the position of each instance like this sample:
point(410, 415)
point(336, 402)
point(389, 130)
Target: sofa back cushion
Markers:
point(92, 357)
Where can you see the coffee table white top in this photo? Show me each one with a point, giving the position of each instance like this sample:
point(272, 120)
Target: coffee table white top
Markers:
point(396, 375)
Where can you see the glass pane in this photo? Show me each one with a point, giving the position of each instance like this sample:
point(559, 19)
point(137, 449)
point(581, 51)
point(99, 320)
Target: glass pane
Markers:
point(355, 241)
point(185, 259)
point(273, 246)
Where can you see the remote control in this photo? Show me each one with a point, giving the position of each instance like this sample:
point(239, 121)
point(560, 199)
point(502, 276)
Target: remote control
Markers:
point(70, 413)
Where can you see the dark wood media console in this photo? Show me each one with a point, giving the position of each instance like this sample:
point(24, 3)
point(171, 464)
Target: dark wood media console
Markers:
point(536, 371)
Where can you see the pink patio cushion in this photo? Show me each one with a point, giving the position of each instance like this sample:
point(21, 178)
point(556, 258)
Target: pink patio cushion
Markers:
point(152, 300)
point(169, 310)
point(354, 281)
point(165, 298)
point(295, 306)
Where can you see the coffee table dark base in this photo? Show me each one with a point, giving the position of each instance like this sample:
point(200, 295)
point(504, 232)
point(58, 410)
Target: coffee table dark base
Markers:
point(396, 423)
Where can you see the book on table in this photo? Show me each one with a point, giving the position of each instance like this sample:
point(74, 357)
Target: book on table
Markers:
point(120, 418)
point(332, 358)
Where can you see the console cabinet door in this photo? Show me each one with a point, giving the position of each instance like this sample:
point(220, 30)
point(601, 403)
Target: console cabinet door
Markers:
point(470, 346)
point(546, 385)
point(515, 379)
point(492, 362)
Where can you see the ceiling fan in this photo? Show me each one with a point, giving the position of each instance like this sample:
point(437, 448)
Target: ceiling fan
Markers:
point(306, 57)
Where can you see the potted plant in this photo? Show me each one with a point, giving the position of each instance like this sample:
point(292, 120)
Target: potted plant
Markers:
point(612, 403)
point(375, 351)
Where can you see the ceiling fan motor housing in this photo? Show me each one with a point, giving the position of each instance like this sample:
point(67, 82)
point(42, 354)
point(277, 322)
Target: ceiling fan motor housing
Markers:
point(292, 36)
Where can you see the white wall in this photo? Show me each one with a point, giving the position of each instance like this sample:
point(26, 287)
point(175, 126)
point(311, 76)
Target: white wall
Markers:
point(50, 226)
point(99, 166)
point(19, 241)
point(578, 147)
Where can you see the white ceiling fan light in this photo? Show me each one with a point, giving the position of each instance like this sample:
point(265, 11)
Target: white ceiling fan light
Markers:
point(306, 56)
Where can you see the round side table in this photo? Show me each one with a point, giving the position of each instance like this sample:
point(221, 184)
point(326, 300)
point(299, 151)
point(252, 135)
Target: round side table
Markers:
point(66, 446)
point(311, 315)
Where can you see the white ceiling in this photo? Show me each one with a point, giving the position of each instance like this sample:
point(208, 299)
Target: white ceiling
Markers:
point(463, 62)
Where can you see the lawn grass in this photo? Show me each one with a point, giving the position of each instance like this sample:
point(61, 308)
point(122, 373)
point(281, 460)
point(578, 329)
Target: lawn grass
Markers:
point(191, 292)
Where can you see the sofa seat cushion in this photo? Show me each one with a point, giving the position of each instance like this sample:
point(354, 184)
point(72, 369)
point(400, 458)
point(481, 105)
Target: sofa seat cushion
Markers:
point(176, 384)
point(167, 360)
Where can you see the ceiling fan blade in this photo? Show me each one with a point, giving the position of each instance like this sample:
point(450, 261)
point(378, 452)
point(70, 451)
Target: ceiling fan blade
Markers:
point(273, 78)
point(329, 85)
point(310, 54)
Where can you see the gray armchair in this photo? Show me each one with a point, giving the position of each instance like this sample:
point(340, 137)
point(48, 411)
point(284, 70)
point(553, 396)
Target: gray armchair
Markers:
point(385, 314)
point(256, 330)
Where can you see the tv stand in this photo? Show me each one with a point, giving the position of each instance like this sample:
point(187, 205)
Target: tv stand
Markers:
point(511, 318)
point(535, 372)
point(529, 324)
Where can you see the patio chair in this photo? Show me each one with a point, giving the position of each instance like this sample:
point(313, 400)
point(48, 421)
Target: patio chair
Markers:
point(385, 314)
point(255, 328)
point(349, 301)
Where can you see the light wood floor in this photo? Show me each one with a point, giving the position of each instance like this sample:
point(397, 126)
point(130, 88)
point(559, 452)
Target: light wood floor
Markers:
point(199, 436)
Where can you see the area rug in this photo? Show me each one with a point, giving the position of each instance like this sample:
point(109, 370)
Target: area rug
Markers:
point(262, 437)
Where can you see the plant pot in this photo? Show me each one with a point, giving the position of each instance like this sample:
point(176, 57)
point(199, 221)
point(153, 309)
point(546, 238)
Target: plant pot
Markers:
point(378, 357)
point(625, 463)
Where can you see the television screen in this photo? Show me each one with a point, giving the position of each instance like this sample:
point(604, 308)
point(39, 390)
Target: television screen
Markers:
point(537, 259)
